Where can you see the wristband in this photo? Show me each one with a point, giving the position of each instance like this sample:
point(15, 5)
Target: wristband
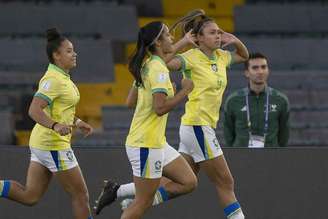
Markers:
point(77, 122)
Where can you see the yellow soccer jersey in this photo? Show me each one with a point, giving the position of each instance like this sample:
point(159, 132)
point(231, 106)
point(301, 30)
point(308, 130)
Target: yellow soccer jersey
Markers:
point(147, 128)
point(62, 95)
point(210, 80)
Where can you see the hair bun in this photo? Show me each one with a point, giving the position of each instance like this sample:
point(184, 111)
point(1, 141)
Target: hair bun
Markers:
point(52, 34)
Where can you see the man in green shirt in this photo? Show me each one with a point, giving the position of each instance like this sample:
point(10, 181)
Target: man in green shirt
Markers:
point(256, 116)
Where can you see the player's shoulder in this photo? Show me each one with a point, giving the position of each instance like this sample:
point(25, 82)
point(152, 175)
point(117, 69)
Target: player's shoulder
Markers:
point(189, 52)
point(236, 95)
point(278, 94)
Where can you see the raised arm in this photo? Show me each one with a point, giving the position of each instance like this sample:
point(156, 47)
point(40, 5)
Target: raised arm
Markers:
point(163, 105)
point(175, 64)
point(241, 53)
point(188, 39)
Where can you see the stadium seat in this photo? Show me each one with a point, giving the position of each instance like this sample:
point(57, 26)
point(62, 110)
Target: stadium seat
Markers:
point(7, 126)
point(22, 137)
point(176, 8)
point(94, 96)
point(146, 8)
point(94, 20)
point(272, 18)
point(306, 52)
point(94, 59)
point(116, 117)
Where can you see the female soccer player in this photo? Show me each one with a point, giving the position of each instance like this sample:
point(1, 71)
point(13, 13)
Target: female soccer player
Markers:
point(53, 110)
point(149, 154)
point(206, 66)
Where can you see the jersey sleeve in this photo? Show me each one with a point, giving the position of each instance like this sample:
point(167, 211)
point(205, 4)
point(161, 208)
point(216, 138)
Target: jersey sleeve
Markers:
point(49, 89)
point(159, 80)
point(186, 65)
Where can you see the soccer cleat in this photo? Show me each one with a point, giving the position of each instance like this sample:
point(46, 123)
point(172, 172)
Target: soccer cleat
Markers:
point(107, 196)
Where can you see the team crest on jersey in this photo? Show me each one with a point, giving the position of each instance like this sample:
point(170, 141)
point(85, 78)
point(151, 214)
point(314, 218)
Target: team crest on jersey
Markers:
point(46, 85)
point(273, 108)
point(216, 143)
point(69, 155)
point(158, 165)
point(161, 78)
point(214, 67)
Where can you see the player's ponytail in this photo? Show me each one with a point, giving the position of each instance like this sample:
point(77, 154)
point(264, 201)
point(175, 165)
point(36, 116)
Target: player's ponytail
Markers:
point(194, 21)
point(146, 39)
point(54, 40)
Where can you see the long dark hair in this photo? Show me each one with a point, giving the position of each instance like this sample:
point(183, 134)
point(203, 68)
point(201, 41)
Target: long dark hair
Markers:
point(146, 38)
point(54, 40)
point(194, 21)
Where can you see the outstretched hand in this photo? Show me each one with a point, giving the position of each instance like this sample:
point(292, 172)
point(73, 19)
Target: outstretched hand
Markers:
point(228, 39)
point(190, 38)
point(85, 128)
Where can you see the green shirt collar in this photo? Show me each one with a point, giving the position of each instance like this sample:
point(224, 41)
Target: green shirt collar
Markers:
point(266, 88)
point(155, 57)
point(57, 69)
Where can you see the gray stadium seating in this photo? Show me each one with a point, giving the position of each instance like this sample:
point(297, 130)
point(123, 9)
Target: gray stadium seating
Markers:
point(146, 8)
point(311, 117)
point(117, 23)
point(285, 1)
point(284, 79)
point(307, 98)
point(281, 18)
point(4, 101)
point(290, 53)
point(309, 137)
point(95, 60)
point(7, 126)
point(116, 117)
point(17, 79)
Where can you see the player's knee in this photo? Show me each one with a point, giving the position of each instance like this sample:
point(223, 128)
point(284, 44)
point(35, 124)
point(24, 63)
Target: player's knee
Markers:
point(31, 201)
point(191, 184)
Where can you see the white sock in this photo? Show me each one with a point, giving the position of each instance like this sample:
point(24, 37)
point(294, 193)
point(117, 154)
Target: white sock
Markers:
point(127, 202)
point(126, 190)
point(237, 215)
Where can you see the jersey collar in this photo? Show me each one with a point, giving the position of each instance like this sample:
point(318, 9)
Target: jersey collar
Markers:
point(155, 57)
point(57, 69)
point(212, 58)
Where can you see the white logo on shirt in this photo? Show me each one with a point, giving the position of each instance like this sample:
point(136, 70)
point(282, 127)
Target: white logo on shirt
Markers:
point(162, 78)
point(243, 109)
point(46, 85)
point(273, 108)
